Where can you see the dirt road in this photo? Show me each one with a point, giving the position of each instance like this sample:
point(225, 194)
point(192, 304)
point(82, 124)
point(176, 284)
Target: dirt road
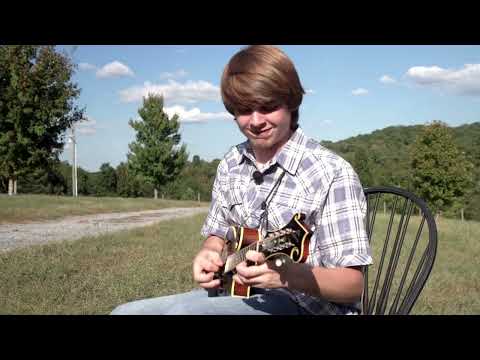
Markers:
point(20, 235)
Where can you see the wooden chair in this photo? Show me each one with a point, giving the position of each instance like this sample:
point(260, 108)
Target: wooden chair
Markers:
point(403, 237)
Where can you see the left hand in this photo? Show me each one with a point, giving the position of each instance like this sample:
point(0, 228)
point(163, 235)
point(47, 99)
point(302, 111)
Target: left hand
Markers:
point(262, 275)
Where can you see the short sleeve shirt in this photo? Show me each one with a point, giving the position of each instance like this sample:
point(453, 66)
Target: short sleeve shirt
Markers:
point(314, 181)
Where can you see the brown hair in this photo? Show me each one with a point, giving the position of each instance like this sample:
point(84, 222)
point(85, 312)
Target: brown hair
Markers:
point(261, 77)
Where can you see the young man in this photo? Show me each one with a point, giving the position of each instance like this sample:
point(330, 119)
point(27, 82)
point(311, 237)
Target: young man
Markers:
point(293, 174)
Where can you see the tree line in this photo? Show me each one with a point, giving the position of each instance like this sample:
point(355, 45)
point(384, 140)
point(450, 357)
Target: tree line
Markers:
point(194, 182)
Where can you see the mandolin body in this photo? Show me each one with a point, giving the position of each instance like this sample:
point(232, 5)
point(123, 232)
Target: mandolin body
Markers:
point(291, 244)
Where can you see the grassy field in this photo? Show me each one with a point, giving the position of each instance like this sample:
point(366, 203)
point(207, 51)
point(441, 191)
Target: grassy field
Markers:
point(24, 208)
point(454, 283)
point(93, 275)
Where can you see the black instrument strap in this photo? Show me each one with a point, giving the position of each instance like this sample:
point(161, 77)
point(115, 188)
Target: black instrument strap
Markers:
point(267, 201)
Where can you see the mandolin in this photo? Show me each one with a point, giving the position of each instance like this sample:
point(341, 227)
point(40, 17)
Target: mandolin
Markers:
point(289, 244)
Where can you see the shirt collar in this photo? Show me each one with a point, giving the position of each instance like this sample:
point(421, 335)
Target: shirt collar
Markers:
point(289, 156)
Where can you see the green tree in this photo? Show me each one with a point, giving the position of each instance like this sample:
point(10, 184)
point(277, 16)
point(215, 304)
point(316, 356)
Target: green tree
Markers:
point(124, 181)
point(196, 179)
point(107, 180)
point(82, 181)
point(47, 180)
point(363, 166)
point(156, 153)
point(36, 107)
point(472, 204)
point(441, 172)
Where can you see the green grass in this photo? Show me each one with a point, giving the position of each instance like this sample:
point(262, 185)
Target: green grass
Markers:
point(93, 275)
point(454, 283)
point(24, 208)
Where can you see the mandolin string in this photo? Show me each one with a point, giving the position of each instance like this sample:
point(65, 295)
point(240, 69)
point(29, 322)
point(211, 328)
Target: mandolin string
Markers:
point(240, 256)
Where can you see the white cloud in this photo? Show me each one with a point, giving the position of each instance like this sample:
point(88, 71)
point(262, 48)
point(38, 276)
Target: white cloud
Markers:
point(326, 122)
point(310, 91)
point(359, 92)
point(115, 68)
point(87, 126)
point(195, 115)
point(87, 131)
point(176, 74)
point(464, 81)
point(188, 92)
point(387, 79)
point(86, 66)
point(428, 75)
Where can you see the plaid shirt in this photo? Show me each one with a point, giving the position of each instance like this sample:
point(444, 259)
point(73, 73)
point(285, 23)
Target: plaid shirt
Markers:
point(316, 182)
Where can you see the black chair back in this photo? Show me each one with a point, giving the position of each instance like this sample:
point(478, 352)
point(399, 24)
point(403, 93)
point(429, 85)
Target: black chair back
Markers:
point(403, 237)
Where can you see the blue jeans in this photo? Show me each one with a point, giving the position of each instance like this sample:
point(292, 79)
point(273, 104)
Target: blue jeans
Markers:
point(197, 302)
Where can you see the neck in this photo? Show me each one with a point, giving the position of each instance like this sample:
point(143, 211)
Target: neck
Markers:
point(236, 258)
point(263, 156)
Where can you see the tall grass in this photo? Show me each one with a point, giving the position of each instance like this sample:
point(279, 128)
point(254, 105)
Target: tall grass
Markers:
point(93, 275)
point(22, 208)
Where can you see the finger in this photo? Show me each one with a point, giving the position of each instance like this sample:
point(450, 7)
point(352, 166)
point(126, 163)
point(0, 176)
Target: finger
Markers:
point(210, 284)
point(255, 256)
point(210, 256)
point(203, 277)
point(240, 268)
point(251, 271)
point(215, 258)
point(210, 267)
point(207, 265)
point(239, 279)
point(258, 281)
point(197, 269)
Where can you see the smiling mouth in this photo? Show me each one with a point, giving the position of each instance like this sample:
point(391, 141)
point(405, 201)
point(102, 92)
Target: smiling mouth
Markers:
point(259, 133)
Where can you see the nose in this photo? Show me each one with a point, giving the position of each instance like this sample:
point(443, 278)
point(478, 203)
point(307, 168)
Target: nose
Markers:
point(257, 120)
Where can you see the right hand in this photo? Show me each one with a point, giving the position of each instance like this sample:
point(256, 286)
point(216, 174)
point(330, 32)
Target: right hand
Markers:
point(205, 264)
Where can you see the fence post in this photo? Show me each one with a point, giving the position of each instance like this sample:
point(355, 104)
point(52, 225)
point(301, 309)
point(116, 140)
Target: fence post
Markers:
point(198, 197)
point(461, 214)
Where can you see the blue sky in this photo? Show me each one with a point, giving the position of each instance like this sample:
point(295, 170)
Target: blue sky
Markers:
point(351, 90)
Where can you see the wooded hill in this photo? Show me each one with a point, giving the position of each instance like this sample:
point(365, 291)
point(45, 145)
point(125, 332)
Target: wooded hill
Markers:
point(383, 157)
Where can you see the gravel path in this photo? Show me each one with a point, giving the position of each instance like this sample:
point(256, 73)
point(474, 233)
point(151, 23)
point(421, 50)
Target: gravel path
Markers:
point(20, 235)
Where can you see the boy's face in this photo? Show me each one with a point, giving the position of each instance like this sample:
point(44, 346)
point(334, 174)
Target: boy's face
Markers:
point(267, 130)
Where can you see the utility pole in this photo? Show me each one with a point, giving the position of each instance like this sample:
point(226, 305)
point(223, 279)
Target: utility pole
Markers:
point(76, 166)
point(73, 141)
